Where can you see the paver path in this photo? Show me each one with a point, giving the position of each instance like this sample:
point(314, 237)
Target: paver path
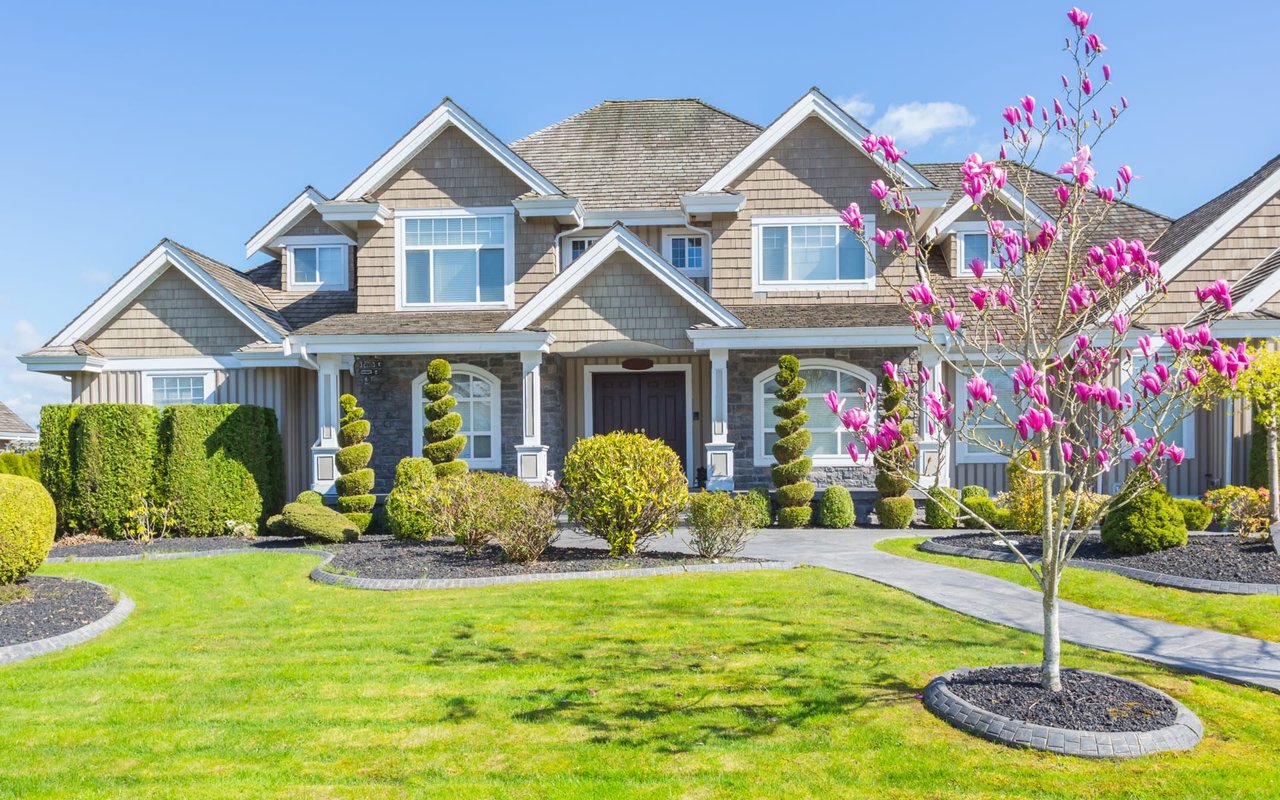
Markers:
point(1233, 658)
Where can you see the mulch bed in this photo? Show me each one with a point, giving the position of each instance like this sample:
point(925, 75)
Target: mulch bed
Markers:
point(49, 606)
point(1217, 558)
point(388, 558)
point(94, 547)
point(1088, 701)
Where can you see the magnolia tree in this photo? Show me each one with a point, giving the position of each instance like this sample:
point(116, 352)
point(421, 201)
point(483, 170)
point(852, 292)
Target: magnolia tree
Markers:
point(1094, 392)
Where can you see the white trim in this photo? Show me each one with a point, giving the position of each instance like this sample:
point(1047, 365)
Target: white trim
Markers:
point(607, 218)
point(123, 292)
point(617, 239)
point(962, 229)
point(208, 379)
point(316, 243)
point(813, 104)
point(1263, 291)
point(566, 210)
point(415, 400)
point(795, 338)
point(447, 113)
point(718, 203)
point(184, 364)
point(18, 436)
point(298, 208)
point(759, 456)
point(589, 372)
point(424, 343)
point(566, 251)
point(1240, 329)
point(508, 256)
point(760, 285)
point(688, 233)
point(60, 363)
point(1014, 200)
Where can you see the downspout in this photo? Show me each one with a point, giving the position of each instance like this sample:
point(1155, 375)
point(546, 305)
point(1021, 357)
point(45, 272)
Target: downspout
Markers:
point(306, 359)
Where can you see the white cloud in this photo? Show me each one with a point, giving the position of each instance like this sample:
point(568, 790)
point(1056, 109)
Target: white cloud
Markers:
point(915, 123)
point(858, 107)
point(25, 392)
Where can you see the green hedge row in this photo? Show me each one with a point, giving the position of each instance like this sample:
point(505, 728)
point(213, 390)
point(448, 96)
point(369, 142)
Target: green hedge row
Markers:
point(25, 465)
point(216, 463)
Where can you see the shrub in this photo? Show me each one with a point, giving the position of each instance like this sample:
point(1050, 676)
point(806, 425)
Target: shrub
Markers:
point(1258, 475)
point(523, 518)
point(1002, 520)
point(720, 524)
point(55, 459)
point(1149, 522)
point(1024, 499)
point(1195, 513)
point(317, 524)
point(895, 466)
point(26, 465)
point(1239, 508)
point(310, 498)
point(973, 490)
point(113, 456)
point(941, 509)
point(761, 507)
point(355, 479)
point(27, 524)
point(410, 510)
point(791, 472)
point(835, 509)
point(218, 463)
point(441, 442)
point(1090, 502)
point(624, 488)
point(896, 512)
point(149, 519)
point(985, 510)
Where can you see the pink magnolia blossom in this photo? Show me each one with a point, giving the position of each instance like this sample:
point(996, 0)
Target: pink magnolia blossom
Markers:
point(979, 389)
point(1028, 103)
point(1219, 290)
point(1067, 451)
point(1086, 85)
point(890, 370)
point(1177, 338)
point(1130, 435)
point(977, 266)
point(882, 237)
point(1144, 344)
point(1175, 453)
point(834, 402)
point(1063, 193)
point(855, 418)
point(852, 216)
point(922, 294)
point(978, 296)
point(952, 320)
point(1080, 166)
point(1103, 458)
point(879, 189)
point(1106, 72)
point(1192, 376)
point(1079, 18)
point(1120, 322)
point(852, 448)
point(1125, 173)
point(1150, 383)
point(871, 143)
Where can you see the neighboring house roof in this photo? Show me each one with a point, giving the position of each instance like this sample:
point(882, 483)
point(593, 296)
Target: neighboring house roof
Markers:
point(13, 426)
point(1190, 225)
point(1251, 291)
point(624, 154)
point(389, 323)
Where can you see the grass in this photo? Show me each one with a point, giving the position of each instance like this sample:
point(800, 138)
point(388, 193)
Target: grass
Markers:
point(1257, 616)
point(237, 677)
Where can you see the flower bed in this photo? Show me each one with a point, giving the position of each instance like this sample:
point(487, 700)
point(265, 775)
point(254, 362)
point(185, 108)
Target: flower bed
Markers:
point(39, 607)
point(93, 547)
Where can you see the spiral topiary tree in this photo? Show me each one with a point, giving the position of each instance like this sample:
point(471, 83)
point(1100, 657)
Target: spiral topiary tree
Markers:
point(894, 465)
point(791, 471)
point(442, 444)
point(355, 479)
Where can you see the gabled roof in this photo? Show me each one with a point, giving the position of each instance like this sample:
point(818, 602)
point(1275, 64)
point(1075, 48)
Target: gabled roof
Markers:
point(290, 215)
point(13, 426)
point(618, 239)
point(813, 104)
point(1252, 290)
point(446, 114)
point(233, 290)
point(947, 176)
point(624, 154)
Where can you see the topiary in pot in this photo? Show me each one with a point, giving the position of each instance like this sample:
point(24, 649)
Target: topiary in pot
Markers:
point(835, 509)
point(441, 442)
point(896, 512)
point(355, 481)
point(1195, 514)
point(27, 524)
point(941, 509)
point(790, 473)
point(1149, 522)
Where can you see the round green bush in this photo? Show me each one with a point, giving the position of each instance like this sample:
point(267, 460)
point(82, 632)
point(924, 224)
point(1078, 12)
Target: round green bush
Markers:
point(896, 512)
point(761, 507)
point(973, 490)
point(310, 498)
point(356, 504)
point(891, 485)
point(985, 508)
point(835, 509)
point(353, 433)
point(794, 516)
point(941, 508)
point(624, 488)
point(1002, 520)
point(27, 523)
point(1151, 521)
point(1195, 514)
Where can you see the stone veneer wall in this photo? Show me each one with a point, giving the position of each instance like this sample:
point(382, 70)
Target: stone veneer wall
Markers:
point(744, 366)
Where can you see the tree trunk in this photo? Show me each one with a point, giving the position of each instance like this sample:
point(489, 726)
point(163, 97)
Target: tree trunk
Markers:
point(1051, 663)
point(1273, 475)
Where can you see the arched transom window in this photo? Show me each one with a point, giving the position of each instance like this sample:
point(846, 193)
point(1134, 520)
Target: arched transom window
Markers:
point(821, 375)
point(479, 402)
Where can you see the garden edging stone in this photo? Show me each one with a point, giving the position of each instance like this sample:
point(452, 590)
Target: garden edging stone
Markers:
point(14, 653)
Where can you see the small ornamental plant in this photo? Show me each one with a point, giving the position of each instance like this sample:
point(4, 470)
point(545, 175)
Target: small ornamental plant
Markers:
point(355, 480)
point(442, 443)
point(1058, 305)
point(791, 472)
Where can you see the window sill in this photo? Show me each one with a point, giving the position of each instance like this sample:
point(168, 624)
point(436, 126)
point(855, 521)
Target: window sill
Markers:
point(502, 306)
point(814, 286)
point(316, 287)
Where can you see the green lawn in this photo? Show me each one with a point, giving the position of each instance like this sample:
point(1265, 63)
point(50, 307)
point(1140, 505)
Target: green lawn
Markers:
point(1257, 616)
point(237, 677)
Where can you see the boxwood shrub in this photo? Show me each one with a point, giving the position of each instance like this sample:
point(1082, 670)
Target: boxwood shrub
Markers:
point(835, 509)
point(27, 524)
point(1150, 521)
point(315, 524)
point(113, 457)
point(25, 464)
point(1195, 513)
point(941, 509)
point(986, 510)
point(761, 506)
point(896, 512)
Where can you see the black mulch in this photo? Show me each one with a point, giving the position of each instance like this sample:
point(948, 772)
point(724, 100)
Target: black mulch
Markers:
point(191, 544)
point(1087, 702)
point(1218, 558)
point(51, 606)
point(385, 557)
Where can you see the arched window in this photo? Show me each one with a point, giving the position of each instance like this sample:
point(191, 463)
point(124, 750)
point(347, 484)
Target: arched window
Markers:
point(821, 375)
point(478, 393)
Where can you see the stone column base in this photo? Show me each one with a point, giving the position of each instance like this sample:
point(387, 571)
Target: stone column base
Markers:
point(531, 463)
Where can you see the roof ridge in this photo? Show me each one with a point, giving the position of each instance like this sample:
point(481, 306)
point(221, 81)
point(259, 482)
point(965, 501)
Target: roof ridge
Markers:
point(266, 299)
point(546, 128)
point(1267, 167)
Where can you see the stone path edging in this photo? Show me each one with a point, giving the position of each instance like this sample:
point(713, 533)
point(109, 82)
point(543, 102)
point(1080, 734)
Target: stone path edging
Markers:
point(1185, 732)
point(1144, 575)
point(14, 653)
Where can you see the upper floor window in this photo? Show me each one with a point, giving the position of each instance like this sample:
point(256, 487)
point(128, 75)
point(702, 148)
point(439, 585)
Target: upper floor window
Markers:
point(973, 240)
point(577, 247)
point(810, 253)
point(317, 267)
point(687, 252)
point(455, 257)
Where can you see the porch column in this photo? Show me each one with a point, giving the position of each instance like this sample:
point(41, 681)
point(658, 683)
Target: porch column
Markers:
point(531, 453)
point(934, 459)
point(719, 449)
point(323, 468)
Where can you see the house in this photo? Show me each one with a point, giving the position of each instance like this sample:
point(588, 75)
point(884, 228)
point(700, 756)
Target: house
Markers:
point(639, 265)
point(15, 433)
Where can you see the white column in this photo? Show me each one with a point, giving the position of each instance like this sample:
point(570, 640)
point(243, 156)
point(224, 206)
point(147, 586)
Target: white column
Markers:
point(719, 449)
point(324, 470)
point(934, 459)
point(531, 453)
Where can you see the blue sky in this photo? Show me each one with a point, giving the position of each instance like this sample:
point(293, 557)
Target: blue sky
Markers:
point(125, 123)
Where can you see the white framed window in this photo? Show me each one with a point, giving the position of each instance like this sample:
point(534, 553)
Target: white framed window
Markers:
point(821, 375)
point(320, 263)
point(455, 258)
point(810, 253)
point(973, 240)
point(177, 388)
point(989, 428)
point(687, 252)
point(479, 396)
point(576, 246)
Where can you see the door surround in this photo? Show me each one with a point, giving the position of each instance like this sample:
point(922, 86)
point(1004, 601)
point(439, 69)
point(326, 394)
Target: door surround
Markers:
point(588, 406)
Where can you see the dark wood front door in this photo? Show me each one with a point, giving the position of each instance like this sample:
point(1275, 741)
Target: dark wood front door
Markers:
point(650, 402)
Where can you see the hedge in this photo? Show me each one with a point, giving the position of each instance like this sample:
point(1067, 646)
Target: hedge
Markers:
point(26, 465)
point(219, 463)
point(113, 456)
point(55, 459)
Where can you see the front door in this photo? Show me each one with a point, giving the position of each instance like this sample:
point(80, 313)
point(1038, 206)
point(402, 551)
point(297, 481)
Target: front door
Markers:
point(650, 402)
